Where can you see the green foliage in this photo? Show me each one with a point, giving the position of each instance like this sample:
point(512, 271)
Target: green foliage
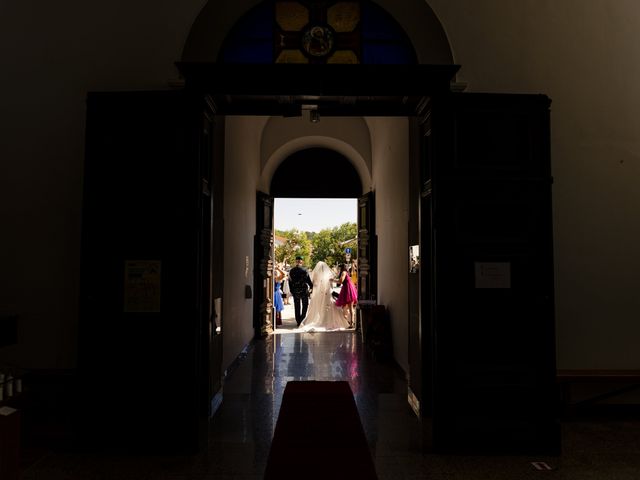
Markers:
point(324, 247)
point(327, 245)
point(297, 244)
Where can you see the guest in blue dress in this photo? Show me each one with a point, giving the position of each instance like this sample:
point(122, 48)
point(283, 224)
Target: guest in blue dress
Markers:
point(278, 304)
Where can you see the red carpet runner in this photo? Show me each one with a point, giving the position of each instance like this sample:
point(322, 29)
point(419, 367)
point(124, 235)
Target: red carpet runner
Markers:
point(318, 435)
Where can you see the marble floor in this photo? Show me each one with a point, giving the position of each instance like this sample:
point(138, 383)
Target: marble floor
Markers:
point(242, 429)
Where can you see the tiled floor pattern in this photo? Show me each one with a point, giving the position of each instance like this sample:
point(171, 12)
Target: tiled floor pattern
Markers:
point(242, 429)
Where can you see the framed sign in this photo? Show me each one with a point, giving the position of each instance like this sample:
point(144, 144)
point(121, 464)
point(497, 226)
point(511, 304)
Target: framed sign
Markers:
point(142, 286)
point(493, 274)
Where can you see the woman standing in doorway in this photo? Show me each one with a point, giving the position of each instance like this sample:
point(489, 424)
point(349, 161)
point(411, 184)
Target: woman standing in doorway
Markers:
point(278, 304)
point(348, 296)
point(286, 291)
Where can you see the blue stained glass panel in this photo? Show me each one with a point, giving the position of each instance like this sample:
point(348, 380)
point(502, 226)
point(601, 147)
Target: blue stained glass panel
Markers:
point(383, 40)
point(387, 54)
point(257, 52)
point(251, 39)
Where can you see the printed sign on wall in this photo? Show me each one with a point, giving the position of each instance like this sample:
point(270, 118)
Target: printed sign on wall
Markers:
point(493, 274)
point(142, 286)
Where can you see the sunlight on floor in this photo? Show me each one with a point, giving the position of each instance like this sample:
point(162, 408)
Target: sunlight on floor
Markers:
point(289, 324)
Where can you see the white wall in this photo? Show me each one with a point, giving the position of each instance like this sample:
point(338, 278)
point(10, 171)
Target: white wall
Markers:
point(584, 56)
point(243, 136)
point(390, 151)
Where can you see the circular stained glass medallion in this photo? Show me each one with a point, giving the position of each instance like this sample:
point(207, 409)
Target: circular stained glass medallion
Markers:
point(317, 41)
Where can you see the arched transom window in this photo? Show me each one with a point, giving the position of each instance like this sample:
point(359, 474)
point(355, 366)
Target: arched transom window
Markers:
point(317, 32)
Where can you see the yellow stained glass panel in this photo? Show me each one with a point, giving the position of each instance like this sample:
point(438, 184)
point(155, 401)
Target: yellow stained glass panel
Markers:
point(291, 16)
point(291, 56)
point(344, 16)
point(343, 56)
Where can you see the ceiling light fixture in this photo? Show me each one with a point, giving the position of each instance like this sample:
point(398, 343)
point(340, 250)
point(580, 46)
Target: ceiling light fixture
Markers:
point(314, 114)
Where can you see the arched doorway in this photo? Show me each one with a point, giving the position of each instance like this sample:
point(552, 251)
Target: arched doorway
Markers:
point(310, 173)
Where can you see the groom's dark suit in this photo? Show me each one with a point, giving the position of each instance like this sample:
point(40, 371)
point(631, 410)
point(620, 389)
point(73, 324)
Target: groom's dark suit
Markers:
point(300, 285)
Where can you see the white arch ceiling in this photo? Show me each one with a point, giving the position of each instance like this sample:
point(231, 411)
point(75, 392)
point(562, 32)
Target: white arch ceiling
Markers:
point(293, 145)
point(348, 136)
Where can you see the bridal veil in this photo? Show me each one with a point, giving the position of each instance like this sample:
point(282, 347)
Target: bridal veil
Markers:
point(323, 313)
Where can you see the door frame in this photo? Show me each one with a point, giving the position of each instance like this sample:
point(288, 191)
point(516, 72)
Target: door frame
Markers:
point(336, 90)
point(350, 90)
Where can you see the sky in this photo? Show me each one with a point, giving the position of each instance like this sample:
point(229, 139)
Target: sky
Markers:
point(314, 214)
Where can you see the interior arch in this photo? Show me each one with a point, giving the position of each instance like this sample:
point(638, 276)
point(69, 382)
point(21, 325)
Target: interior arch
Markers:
point(342, 147)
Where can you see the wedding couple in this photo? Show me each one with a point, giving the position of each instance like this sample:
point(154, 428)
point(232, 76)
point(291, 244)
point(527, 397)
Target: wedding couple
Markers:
point(323, 312)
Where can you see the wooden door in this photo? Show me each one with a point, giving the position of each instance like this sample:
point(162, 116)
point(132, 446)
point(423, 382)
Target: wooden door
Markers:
point(421, 346)
point(487, 300)
point(211, 251)
point(263, 268)
point(367, 248)
point(146, 271)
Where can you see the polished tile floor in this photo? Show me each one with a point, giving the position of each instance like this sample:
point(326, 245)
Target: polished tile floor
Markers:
point(242, 429)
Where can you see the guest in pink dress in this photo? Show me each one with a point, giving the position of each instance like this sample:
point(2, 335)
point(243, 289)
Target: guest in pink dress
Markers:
point(348, 296)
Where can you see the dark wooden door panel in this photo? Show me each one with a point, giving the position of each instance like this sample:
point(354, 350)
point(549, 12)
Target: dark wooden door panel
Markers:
point(367, 248)
point(263, 256)
point(491, 297)
point(145, 270)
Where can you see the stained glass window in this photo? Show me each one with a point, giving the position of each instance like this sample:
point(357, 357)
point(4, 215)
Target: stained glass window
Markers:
point(301, 31)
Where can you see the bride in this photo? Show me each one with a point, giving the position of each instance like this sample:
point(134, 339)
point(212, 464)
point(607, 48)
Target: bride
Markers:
point(323, 313)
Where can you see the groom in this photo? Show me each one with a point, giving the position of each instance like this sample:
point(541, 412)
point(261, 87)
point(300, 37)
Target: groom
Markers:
point(301, 286)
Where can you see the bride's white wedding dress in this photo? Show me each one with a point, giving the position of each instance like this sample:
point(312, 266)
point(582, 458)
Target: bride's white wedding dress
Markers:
point(323, 315)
